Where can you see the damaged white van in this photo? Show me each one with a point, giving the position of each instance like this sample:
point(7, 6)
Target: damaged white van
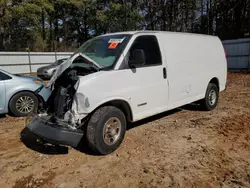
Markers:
point(124, 77)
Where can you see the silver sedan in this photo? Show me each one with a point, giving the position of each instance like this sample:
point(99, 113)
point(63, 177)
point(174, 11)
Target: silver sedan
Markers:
point(47, 72)
point(21, 95)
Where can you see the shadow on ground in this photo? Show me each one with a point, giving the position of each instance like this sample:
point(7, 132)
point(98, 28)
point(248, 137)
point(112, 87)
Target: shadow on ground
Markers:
point(2, 116)
point(83, 147)
point(189, 107)
point(33, 142)
point(193, 107)
point(152, 118)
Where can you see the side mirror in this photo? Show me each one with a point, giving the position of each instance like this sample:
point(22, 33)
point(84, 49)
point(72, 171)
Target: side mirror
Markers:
point(137, 58)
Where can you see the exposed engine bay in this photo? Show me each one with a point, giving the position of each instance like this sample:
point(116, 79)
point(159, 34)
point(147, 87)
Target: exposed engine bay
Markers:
point(58, 108)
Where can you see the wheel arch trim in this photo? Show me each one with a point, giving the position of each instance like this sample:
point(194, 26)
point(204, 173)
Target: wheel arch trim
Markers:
point(119, 103)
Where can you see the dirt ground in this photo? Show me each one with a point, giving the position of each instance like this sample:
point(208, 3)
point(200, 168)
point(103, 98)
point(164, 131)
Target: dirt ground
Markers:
point(182, 148)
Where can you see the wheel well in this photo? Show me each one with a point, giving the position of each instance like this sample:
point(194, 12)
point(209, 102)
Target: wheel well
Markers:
point(216, 82)
point(123, 106)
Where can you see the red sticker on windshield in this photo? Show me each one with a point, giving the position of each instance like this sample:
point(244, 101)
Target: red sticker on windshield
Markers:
point(113, 45)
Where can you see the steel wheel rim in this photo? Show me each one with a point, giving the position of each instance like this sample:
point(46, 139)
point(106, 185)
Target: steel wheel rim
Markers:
point(25, 104)
point(112, 131)
point(212, 97)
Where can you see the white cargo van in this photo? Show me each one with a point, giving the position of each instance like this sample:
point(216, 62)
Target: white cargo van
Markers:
point(125, 77)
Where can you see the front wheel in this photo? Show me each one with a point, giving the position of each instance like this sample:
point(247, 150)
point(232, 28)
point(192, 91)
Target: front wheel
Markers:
point(23, 104)
point(211, 99)
point(106, 130)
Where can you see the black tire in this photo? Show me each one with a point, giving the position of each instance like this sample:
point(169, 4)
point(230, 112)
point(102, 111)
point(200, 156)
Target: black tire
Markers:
point(207, 103)
point(14, 100)
point(95, 129)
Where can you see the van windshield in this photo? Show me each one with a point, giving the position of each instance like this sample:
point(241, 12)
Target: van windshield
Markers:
point(105, 50)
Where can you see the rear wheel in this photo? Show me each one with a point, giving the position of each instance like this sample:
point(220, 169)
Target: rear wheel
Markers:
point(23, 104)
point(211, 99)
point(106, 130)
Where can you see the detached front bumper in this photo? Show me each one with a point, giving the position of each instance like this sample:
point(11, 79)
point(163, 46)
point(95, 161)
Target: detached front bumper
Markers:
point(53, 133)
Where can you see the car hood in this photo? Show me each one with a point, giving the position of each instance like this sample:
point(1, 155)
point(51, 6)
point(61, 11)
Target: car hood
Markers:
point(47, 67)
point(66, 64)
point(31, 78)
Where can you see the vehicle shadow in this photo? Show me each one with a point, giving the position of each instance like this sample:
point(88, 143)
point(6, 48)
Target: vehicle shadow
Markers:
point(84, 148)
point(152, 118)
point(192, 107)
point(2, 116)
point(33, 142)
point(189, 107)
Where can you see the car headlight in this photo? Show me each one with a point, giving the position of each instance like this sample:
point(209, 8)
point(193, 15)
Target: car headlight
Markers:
point(38, 82)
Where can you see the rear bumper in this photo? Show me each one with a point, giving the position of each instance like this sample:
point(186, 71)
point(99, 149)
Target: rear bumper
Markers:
point(53, 133)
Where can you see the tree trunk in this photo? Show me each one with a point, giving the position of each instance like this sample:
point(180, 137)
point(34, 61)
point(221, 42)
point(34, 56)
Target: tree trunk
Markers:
point(85, 25)
point(186, 17)
point(152, 27)
point(211, 17)
point(170, 15)
point(2, 48)
point(51, 38)
point(237, 15)
point(163, 8)
point(43, 26)
point(202, 12)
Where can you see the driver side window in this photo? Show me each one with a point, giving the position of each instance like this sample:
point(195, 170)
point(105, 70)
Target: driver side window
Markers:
point(149, 45)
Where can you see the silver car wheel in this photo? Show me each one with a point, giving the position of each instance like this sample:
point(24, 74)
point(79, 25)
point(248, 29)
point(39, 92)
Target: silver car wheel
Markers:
point(25, 104)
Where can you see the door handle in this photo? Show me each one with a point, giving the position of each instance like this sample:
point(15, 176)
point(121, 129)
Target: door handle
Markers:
point(164, 73)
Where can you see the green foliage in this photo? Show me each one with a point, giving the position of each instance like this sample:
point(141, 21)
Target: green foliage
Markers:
point(49, 25)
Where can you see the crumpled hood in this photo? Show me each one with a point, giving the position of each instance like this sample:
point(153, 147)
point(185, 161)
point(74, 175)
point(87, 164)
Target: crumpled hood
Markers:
point(66, 64)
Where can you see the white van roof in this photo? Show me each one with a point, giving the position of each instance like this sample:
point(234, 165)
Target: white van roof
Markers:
point(160, 32)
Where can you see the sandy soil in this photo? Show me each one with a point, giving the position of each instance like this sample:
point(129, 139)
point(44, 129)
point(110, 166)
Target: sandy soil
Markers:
point(182, 148)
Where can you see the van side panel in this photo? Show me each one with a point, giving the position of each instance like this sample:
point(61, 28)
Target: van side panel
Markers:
point(192, 61)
